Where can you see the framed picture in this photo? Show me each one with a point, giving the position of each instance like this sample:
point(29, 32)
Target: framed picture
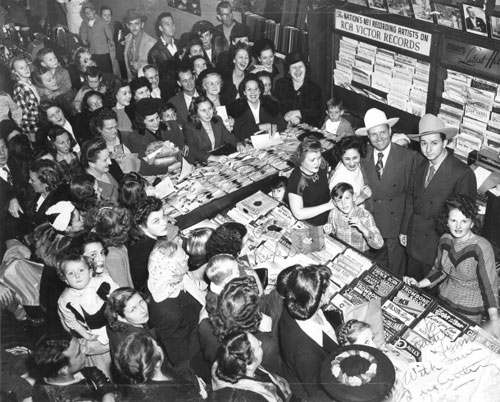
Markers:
point(495, 26)
point(448, 16)
point(400, 7)
point(475, 20)
point(378, 5)
point(422, 10)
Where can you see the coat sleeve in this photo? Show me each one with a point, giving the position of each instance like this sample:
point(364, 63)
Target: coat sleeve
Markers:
point(466, 185)
point(195, 153)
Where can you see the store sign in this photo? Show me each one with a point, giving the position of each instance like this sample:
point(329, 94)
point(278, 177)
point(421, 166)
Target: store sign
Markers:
point(483, 60)
point(384, 32)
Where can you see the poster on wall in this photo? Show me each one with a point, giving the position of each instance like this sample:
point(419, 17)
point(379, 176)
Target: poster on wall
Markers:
point(422, 10)
point(448, 16)
point(190, 6)
point(495, 27)
point(475, 20)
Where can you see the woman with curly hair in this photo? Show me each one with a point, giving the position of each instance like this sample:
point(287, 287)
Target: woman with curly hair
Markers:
point(139, 360)
point(465, 263)
point(112, 224)
point(306, 334)
point(149, 225)
point(205, 132)
point(238, 374)
point(307, 189)
point(60, 145)
point(349, 151)
point(126, 313)
point(238, 309)
point(175, 305)
point(96, 161)
point(84, 192)
point(47, 180)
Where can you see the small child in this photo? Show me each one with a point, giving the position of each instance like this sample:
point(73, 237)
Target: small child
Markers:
point(335, 124)
point(350, 223)
point(47, 58)
point(25, 95)
point(168, 113)
point(170, 125)
point(58, 361)
point(82, 303)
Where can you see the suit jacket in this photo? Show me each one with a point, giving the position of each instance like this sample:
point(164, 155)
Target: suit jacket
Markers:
point(303, 358)
point(244, 121)
point(423, 204)
point(387, 203)
point(147, 43)
point(182, 109)
point(199, 144)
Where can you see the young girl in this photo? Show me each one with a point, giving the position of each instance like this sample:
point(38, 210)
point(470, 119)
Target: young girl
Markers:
point(82, 304)
point(25, 95)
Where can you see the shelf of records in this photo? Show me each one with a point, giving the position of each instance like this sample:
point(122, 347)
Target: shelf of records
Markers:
point(472, 105)
point(411, 319)
point(383, 75)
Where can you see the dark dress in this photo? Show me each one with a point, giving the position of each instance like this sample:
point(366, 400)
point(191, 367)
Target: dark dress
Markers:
point(308, 99)
point(138, 256)
point(313, 190)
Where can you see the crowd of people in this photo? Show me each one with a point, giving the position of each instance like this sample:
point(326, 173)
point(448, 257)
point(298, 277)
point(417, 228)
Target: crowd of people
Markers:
point(127, 309)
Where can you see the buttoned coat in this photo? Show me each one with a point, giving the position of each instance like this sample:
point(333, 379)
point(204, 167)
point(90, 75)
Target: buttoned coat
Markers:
point(423, 204)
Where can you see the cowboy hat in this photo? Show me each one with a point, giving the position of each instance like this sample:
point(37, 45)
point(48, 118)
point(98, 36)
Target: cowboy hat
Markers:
point(430, 124)
point(373, 118)
point(358, 373)
point(134, 14)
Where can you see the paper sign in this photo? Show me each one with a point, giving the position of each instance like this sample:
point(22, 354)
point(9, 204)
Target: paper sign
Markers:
point(265, 140)
point(164, 188)
point(222, 112)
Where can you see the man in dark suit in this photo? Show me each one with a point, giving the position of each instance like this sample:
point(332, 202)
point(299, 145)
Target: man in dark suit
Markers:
point(433, 180)
point(182, 101)
point(474, 23)
point(387, 167)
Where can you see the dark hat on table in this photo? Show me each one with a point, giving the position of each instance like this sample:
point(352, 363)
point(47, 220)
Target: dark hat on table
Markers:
point(358, 373)
point(147, 107)
point(430, 124)
point(200, 27)
point(134, 14)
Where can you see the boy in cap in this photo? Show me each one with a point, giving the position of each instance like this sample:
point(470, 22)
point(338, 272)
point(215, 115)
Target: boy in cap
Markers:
point(433, 180)
point(387, 167)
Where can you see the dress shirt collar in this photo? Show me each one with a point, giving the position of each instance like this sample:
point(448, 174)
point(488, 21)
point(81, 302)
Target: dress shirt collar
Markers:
point(4, 173)
point(385, 152)
point(440, 160)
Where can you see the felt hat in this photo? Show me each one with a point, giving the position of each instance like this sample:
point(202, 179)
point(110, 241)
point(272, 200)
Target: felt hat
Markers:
point(147, 107)
point(358, 373)
point(261, 44)
point(293, 58)
point(373, 118)
point(430, 124)
point(400, 137)
point(200, 27)
point(204, 74)
point(133, 14)
point(240, 31)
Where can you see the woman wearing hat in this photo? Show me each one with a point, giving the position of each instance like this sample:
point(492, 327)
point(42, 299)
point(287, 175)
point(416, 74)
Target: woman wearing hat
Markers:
point(300, 97)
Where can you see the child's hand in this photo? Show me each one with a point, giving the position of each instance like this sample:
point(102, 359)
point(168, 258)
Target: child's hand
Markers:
point(328, 228)
point(366, 192)
point(356, 222)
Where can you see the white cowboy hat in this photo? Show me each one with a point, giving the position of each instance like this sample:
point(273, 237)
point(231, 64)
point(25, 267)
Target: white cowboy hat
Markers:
point(430, 124)
point(373, 118)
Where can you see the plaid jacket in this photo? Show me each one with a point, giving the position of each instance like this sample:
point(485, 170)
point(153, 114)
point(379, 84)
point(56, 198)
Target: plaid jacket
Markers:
point(27, 98)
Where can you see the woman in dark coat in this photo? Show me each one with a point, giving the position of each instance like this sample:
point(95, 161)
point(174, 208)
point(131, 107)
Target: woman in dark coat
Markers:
point(253, 103)
point(300, 98)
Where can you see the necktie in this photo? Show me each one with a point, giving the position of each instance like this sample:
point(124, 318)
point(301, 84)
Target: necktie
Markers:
point(9, 176)
point(430, 175)
point(379, 166)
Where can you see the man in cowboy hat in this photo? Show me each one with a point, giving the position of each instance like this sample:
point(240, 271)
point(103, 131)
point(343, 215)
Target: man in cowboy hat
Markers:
point(433, 180)
point(387, 168)
point(137, 43)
